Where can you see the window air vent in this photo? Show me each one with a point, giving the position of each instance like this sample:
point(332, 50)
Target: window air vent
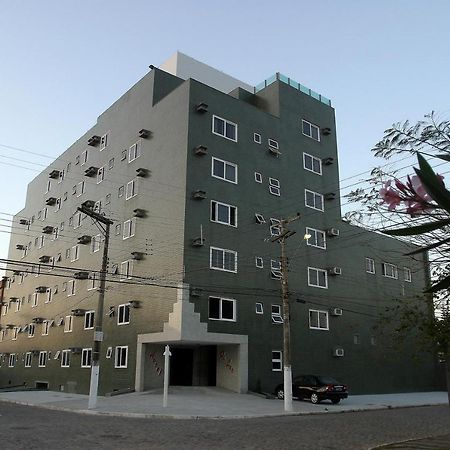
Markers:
point(55, 174)
point(85, 239)
point(24, 222)
point(198, 242)
point(201, 108)
point(200, 150)
point(135, 303)
point(326, 131)
point(141, 172)
point(336, 312)
point(338, 352)
point(333, 232)
point(91, 171)
point(50, 201)
point(41, 289)
point(330, 196)
point(78, 312)
point(144, 134)
point(328, 161)
point(94, 141)
point(139, 212)
point(335, 271)
point(48, 229)
point(199, 195)
point(20, 247)
point(37, 320)
point(75, 350)
point(81, 275)
point(44, 259)
point(137, 255)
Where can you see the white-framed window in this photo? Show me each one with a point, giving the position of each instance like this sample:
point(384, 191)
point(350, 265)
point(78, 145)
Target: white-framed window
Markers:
point(61, 176)
point(3, 335)
point(75, 253)
point(49, 186)
point(93, 281)
point(58, 204)
point(224, 170)
point(84, 157)
point(275, 269)
point(407, 274)
point(70, 288)
point(89, 320)
point(259, 218)
point(313, 200)
point(257, 138)
point(111, 164)
point(275, 227)
point(28, 359)
point(103, 141)
point(259, 308)
point(68, 324)
point(317, 239)
point(258, 177)
point(98, 206)
point(274, 186)
point(276, 314)
point(19, 304)
point(317, 278)
point(222, 259)
point(95, 243)
point(310, 130)
point(277, 360)
point(356, 339)
point(121, 357)
point(222, 309)
point(65, 358)
point(134, 151)
point(15, 333)
point(132, 189)
point(86, 358)
point(129, 228)
point(123, 314)
point(223, 213)
point(259, 262)
point(389, 270)
point(12, 360)
point(80, 188)
point(100, 174)
point(224, 128)
point(46, 327)
point(126, 269)
point(318, 320)
point(6, 308)
point(109, 352)
point(370, 265)
point(43, 356)
point(49, 297)
point(35, 300)
point(312, 163)
point(77, 218)
point(273, 143)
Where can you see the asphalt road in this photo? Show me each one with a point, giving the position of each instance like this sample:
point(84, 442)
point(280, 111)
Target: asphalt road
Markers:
point(23, 427)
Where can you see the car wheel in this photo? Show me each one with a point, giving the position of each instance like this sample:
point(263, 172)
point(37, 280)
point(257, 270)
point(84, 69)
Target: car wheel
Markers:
point(314, 398)
point(280, 393)
point(335, 401)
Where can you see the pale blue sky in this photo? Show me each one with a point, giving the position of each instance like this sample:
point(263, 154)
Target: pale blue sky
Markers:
point(64, 62)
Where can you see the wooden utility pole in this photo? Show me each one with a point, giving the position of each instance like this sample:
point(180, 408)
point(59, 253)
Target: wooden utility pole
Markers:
point(287, 370)
point(98, 331)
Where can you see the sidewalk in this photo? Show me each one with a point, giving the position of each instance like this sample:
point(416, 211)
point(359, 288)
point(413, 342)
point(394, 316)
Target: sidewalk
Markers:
point(212, 402)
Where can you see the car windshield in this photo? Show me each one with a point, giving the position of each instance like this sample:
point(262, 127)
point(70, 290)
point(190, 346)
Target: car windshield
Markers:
point(328, 380)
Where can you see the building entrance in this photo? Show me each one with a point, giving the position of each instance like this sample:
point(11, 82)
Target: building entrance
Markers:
point(181, 366)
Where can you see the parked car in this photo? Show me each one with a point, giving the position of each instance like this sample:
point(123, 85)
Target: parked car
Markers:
point(315, 388)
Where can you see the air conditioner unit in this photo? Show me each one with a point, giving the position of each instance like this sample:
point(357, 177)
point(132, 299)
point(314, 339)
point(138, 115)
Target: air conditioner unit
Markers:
point(37, 320)
point(91, 171)
point(81, 275)
point(144, 134)
point(35, 352)
point(200, 150)
point(333, 232)
point(335, 271)
point(44, 259)
point(89, 204)
point(141, 172)
point(199, 195)
point(85, 239)
point(336, 312)
point(94, 141)
point(54, 174)
point(135, 303)
point(48, 229)
point(41, 289)
point(24, 222)
point(20, 247)
point(139, 212)
point(75, 350)
point(77, 312)
point(50, 201)
point(198, 242)
point(10, 326)
point(202, 107)
point(338, 351)
point(138, 256)
point(330, 196)
point(274, 151)
point(328, 161)
point(13, 299)
point(326, 131)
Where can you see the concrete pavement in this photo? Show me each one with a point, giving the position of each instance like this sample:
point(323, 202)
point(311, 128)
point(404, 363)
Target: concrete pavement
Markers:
point(212, 402)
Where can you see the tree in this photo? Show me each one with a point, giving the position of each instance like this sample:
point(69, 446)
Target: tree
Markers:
point(421, 206)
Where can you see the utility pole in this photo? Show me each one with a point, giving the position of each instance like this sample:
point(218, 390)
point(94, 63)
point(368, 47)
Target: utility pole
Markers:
point(287, 370)
point(98, 331)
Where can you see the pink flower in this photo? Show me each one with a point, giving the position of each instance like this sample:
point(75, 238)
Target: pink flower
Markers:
point(390, 196)
point(418, 188)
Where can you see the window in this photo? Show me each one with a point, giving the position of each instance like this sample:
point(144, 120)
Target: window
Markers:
point(75, 253)
point(223, 213)
point(108, 199)
point(15, 333)
point(273, 143)
point(370, 265)
point(276, 314)
point(111, 164)
point(93, 281)
point(258, 177)
point(101, 174)
point(43, 356)
point(131, 189)
point(86, 357)
point(77, 160)
point(95, 243)
point(257, 138)
point(134, 151)
point(221, 259)
point(70, 288)
point(76, 221)
point(275, 227)
point(224, 170)
point(123, 314)
point(356, 339)
point(28, 359)
point(46, 327)
point(259, 218)
point(407, 274)
point(259, 262)
point(259, 308)
point(121, 357)
point(120, 191)
point(274, 186)
point(313, 200)
point(80, 188)
point(49, 186)
point(103, 141)
point(389, 270)
point(109, 352)
point(222, 309)
point(2, 335)
point(277, 361)
point(49, 295)
point(312, 163)
point(19, 303)
point(317, 238)
point(317, 278)
point(35, 300)
point(65, 358)
point(118, 229)
point(224, 128)
point(61, 176)
point(84, 157)
point(12, 360)
point(275, 269)
point(310, 130)
point(89, 320)
point(318, 320)
point(129, 227)
point(126, 270)
point(68, 324)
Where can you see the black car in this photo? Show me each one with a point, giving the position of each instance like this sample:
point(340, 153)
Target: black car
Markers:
point(315, 388)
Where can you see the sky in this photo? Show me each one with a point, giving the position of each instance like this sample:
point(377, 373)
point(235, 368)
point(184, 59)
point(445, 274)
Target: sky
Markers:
point(62, 63)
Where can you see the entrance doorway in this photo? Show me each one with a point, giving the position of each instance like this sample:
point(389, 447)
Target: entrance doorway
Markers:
point(181, 366)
